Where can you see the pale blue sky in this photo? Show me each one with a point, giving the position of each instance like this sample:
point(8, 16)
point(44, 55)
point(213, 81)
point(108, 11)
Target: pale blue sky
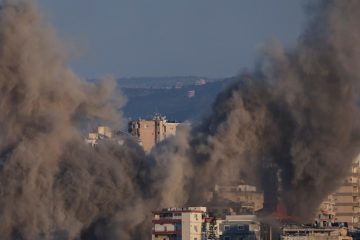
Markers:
point(214, 38)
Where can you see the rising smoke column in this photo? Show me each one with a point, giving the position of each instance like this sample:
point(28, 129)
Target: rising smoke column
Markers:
point(297, 113)
point(52, 185)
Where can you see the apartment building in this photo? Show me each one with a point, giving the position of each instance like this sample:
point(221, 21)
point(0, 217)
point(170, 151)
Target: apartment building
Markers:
point(343, 204)
point(195, 223)
point(152, 131)
point(326, 213)
point(179, 223)
point(246, 195)
point(211, 228)
point(245, 227)
point(101, 132)
point(301, 232)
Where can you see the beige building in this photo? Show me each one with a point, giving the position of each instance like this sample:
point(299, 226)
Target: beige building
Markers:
point(178, 223)
point(343, 204)
point(311, 233)
point(326, 213)
point(101, 132)
point(153, 131)
point(244, 194)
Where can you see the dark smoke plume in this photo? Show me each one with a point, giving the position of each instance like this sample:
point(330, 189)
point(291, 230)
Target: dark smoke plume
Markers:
point(296, 116)
point(52, 185)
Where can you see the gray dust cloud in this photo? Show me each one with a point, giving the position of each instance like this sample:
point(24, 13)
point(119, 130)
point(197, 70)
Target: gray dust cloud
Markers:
point(295, 116)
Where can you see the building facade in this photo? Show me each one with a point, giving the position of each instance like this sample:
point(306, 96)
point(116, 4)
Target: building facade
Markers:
point(195, 223)
point(343, 204)
point(347, 199)
point(326, 213)
point(244, 227)
point(179, 223)
point(150, 132)
point(100, 133)
point(314, 233)
point(246, 195)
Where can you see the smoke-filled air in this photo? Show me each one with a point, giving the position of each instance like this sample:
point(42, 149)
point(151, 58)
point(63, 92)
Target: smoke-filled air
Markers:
point(296, 114)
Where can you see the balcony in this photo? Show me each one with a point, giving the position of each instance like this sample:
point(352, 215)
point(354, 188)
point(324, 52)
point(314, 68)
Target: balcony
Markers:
point(166, 220)
point(166, 232)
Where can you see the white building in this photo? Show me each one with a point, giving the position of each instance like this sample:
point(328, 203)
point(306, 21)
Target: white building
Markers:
point(178, 223)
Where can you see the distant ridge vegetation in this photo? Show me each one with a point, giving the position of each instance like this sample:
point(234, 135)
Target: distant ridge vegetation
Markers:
point(162, 82)
point(177, 98)
point(175, 103)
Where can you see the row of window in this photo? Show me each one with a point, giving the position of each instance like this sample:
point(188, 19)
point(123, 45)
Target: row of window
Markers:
point(239, 227)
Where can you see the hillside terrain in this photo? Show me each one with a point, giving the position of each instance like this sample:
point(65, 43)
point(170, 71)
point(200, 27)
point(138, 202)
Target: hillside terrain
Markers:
point(185, 103)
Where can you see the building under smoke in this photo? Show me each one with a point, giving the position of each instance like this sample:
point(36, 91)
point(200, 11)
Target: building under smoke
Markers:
point(343, 204)
point(297, 111)
point(152, 131)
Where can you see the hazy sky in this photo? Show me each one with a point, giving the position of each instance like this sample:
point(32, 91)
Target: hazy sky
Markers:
point(214, 38)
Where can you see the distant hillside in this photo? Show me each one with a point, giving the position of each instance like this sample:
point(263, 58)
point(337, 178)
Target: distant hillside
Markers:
point(174, 103)
point(161, 82)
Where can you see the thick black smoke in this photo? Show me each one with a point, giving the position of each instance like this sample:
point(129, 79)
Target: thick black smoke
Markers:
point(296, 114)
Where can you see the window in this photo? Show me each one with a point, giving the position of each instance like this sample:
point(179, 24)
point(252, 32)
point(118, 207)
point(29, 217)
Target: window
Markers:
point(227, 227)
point(241, 228)
point(178, 226)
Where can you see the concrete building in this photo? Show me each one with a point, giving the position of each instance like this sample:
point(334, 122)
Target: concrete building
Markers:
point(195, 223)
point(245, 195)
point(343, 204)
point(179, 223)
point(104, 134)
point(347, 199)
point(153, 131)
point(101, 132)
point(200, 82)
point(191, 93)
point(211, 228)
point(244, 227)
point(221, 208)
point(301, 232)
point(326, 212)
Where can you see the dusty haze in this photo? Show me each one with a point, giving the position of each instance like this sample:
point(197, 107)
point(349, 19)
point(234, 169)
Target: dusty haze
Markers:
point(296, 113)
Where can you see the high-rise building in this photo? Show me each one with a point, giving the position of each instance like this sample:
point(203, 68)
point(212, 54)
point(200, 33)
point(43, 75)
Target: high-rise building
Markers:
point(179, 223)
point(343, 204)
point(326, 213)
point(153, 131)
point(246, 197)
point(347, 200)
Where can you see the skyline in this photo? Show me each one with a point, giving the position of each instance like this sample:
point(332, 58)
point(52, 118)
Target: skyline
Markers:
point(74, 165)
point(161, 38)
